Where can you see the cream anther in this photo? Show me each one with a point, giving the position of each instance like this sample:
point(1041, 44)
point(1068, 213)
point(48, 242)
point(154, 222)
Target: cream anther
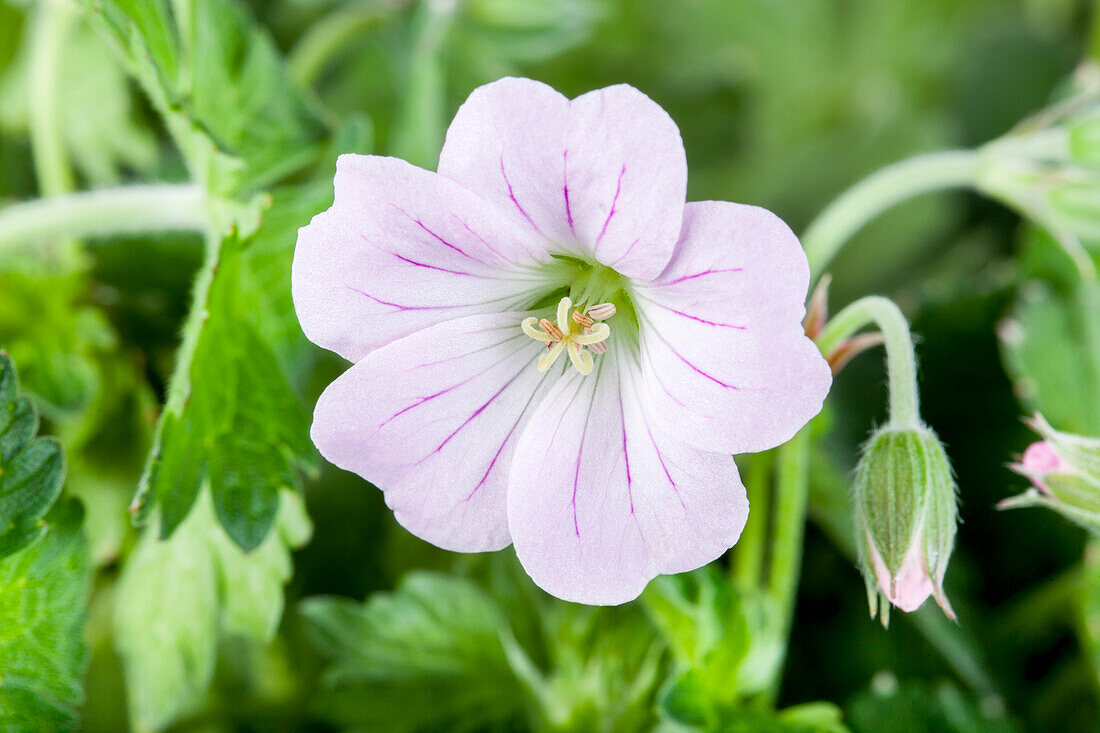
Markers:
point(602, 311)
point(582, 319)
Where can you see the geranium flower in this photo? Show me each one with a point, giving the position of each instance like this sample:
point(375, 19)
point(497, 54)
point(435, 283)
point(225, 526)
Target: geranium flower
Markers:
point(556, 227)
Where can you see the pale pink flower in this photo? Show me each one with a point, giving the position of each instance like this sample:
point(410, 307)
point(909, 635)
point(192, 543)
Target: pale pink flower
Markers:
point(455, 293)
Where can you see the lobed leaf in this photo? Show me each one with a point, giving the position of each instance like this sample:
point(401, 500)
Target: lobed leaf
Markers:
point(215, 73)
point(231, 418)
point(44, 591)
point(242, 428)
point(427, 656)
point(32, 470)
point(176, 597)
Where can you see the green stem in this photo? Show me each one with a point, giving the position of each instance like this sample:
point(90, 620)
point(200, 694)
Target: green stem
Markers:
point(792, 488)
point(419, 133)
point(880, 191)
point(328, 36)
point(125, 210)
point(748, 559)
point(901, 363)
point(50, 27)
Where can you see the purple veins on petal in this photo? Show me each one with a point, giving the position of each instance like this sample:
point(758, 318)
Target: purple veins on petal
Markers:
point(440, 269)
point(691, 317)
point(397, 305)
point(565, 191)
point(434, 235)
point(482, 239)
point(694, 368)
point(503, 443)
point(481, 409)
point(611, 213)
point(626, 254)
point(512, 196)
point(697, 275)
point(661, 459)
point(445, 242)
point(626, 454)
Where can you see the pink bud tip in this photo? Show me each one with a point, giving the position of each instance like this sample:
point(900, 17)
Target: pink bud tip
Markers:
point(1041, 457)
point(912, 584)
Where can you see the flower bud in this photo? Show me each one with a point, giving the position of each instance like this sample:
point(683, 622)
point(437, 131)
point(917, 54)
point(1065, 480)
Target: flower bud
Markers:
point(905, 519)
point(1065, 468)
point(1048, 167)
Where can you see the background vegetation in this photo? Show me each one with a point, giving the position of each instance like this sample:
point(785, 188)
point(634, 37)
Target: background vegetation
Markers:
point(287, 598)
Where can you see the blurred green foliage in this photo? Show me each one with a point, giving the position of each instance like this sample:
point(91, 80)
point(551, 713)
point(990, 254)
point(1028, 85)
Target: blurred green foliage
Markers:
point(45, 574)
point(780, 104)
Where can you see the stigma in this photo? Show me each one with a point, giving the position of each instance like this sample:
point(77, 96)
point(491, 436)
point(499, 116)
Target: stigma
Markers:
point(577, 333)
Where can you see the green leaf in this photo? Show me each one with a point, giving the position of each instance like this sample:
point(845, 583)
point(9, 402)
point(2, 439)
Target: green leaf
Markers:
point(215, 74)
point(44, 592)
point(1051, 349)
point(426, 657)
point(54, 337)
point(32, 470)
point(241, 426)
point(687, 702)
point(176, 596)
point(219, 82)
point(730, 639)
point(95, 103)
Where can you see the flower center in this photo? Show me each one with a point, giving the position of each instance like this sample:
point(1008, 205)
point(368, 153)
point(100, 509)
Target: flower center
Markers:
point(575, 333)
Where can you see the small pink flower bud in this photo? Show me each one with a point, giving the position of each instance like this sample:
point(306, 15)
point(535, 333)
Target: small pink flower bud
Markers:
point(1038, 460)
point(904, 501)
point(1065, 470)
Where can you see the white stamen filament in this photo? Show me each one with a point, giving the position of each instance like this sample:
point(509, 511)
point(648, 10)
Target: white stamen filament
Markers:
point(581, 359)
point(530, 327)
point(572, 333)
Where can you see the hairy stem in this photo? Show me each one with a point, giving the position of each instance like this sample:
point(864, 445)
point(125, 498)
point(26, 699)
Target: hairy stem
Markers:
point(880, 191)
point(125, 210)
point(320, 44)
point(901, 363)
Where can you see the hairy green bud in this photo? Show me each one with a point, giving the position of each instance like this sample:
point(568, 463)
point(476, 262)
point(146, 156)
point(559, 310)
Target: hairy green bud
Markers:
point(905, 511)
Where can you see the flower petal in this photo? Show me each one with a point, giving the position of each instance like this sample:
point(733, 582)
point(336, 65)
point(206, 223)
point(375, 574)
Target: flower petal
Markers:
point(625, 180)
point(604, 175)
point(432, 420)
point(725, 359)
point(910, 588)
point(506, 143)
point(601, 500)
point(402, 249)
